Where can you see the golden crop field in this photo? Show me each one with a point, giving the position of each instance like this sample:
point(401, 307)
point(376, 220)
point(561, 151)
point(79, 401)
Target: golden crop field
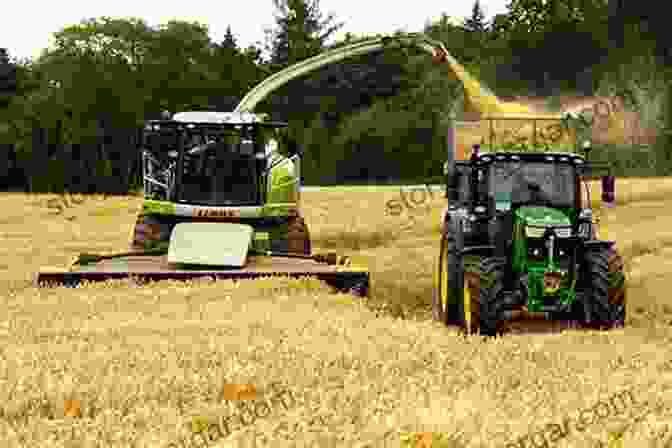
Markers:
point(119, 365)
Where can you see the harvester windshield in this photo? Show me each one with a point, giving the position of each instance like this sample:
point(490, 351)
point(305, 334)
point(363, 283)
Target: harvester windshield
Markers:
point(214, 164)
point(223, 172)
point(531, 182)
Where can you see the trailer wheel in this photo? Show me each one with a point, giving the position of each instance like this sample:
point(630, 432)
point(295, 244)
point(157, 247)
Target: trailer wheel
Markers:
point(603, 295)
point(449, 289)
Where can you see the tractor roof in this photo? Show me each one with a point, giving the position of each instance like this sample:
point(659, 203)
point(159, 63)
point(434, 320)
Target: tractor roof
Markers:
point(218, 117)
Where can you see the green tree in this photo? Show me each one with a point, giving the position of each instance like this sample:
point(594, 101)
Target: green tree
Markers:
point(476, 22)
point(301, 31)
point(537, 31)
point(229, 40)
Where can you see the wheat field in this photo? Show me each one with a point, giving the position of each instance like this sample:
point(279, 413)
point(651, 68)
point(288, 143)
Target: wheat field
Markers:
point(119, 365)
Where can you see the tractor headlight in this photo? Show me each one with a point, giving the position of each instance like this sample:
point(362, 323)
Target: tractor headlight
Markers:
point(584, 230)
point(534, 232)
point(563, 232)
point(538, 232)
point(467, 224)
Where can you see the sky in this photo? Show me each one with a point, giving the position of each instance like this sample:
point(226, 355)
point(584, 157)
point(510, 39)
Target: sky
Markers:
point(24, 31)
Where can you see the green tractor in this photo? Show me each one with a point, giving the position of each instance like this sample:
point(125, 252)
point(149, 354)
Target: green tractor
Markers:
point(519, 242)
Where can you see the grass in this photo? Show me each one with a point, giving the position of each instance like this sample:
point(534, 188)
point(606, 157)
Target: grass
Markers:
point(119, 365)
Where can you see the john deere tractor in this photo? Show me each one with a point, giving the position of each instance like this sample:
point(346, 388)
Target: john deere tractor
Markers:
point(519, 241)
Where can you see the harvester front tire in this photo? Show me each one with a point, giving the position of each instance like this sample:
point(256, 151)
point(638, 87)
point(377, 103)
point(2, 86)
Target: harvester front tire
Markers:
point(448, 292)
point(149, 232)
point(298, 237)
point(605, 305)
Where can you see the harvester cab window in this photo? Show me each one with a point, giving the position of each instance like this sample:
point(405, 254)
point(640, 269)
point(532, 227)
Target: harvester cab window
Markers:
point(221, 172)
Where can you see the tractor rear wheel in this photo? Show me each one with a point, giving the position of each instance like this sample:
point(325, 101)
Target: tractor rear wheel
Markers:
point(449, 289)
point(603, 286)
point(617, 288)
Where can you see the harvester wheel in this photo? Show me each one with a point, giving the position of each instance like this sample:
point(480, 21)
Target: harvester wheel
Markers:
point(492, 299)
point(298, 237)
point(150, 232)
point(603, 286)
point(449, 290)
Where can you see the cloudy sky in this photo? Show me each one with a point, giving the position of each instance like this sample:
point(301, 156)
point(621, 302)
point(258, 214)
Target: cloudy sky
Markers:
point(26, 27)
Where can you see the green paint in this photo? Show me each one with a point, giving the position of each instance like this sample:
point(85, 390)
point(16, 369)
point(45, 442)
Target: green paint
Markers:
point(153, 207)
point(542, 216)
point(523, 263)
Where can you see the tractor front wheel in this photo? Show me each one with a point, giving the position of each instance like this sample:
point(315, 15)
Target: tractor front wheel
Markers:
point(492, 298)
point(603, 300)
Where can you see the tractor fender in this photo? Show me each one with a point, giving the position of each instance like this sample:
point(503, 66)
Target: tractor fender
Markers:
point(444, 217)
point(596, 244)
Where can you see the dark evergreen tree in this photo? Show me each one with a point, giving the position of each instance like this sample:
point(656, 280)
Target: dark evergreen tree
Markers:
point(476, 23)
point(301, 31)
point(229, 40)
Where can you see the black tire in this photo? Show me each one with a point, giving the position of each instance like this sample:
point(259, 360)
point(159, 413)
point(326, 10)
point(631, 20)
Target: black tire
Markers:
point(298, 237)
point(617, 287)
point(150, 232)
point(447, 297)
point(492, 300)
point(597, 310)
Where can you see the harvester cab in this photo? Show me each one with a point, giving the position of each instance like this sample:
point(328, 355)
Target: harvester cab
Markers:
point(222, 159)
point(519, 241)
point(226, 167)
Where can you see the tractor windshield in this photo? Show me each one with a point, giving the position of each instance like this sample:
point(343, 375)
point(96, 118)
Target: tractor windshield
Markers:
point(525, 182)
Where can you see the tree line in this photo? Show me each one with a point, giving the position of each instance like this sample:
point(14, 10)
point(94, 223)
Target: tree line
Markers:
point(71, 119)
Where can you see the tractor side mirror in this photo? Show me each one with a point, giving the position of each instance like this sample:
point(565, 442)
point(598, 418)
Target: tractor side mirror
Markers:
point(587, 147)
point(609, 190)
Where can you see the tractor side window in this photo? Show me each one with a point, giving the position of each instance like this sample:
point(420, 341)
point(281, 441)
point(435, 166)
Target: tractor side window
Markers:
point(501, 184)
point(463, 186)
